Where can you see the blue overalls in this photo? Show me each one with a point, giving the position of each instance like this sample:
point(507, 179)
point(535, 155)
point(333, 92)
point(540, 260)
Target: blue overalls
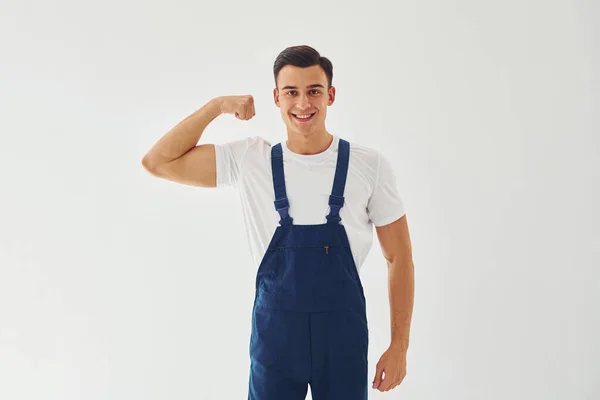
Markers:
point(309, 322)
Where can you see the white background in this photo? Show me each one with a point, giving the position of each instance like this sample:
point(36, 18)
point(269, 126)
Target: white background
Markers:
point(118, 285)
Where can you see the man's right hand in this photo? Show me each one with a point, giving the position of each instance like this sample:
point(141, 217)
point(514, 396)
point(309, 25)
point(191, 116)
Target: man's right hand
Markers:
point(241, 106)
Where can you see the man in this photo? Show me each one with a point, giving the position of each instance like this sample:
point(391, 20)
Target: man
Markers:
point(310, 204)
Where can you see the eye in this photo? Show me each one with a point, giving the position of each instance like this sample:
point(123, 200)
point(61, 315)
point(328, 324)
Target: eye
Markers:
point(292, 92)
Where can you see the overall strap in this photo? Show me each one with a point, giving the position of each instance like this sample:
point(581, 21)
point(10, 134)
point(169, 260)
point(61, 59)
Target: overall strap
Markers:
point(336, 199)
point(282, 204)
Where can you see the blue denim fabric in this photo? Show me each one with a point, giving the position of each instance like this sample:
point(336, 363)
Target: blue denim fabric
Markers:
point(309, 324)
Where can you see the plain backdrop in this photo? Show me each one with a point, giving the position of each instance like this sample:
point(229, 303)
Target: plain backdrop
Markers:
point(117, 285)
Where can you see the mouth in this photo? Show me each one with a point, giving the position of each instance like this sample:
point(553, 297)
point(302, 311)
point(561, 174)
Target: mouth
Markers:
point(303, 118)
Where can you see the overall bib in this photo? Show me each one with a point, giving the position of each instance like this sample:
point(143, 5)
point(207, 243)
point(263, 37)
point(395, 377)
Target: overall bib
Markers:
point(309, 322)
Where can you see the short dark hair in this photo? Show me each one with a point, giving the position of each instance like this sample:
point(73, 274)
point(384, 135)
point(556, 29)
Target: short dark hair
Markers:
point(302, 56)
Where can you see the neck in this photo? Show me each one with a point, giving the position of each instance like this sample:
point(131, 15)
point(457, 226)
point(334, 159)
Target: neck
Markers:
point(309, 144)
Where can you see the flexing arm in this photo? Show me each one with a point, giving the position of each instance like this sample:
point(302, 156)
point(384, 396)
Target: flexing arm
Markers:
point(177, 155)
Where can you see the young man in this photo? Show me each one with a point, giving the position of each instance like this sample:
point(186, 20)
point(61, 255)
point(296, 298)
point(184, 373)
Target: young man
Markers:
point(310, 204)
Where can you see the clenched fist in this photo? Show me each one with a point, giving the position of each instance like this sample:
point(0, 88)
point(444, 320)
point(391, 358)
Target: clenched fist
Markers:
point(241, 106)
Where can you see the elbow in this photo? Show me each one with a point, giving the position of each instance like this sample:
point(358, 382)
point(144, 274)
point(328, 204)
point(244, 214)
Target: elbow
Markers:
point(149, 165)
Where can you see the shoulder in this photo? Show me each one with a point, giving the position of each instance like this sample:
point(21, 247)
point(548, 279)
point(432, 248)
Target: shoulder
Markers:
point(250, 142)
point(363, 152)
point(258, 142)
point(258, 148)
point(240, 149)
point(372, 164)
point(365, 158)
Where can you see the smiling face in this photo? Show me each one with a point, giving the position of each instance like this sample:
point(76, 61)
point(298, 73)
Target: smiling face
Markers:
point(302, 94)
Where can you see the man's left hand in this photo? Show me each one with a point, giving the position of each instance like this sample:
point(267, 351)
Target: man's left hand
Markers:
point(393, 363)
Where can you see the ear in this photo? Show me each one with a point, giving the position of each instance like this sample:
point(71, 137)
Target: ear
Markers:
point(276, 96)
point(331, 96)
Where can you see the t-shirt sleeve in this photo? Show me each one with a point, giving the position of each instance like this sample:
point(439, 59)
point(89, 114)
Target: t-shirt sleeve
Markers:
point(229, 157)
point(385, 204)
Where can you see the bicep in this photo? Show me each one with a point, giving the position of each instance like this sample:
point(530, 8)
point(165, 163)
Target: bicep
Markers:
point(197, 167)
point(394, 239)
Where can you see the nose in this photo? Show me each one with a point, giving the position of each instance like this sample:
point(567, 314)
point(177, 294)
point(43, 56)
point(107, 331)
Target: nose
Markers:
point(303, 103)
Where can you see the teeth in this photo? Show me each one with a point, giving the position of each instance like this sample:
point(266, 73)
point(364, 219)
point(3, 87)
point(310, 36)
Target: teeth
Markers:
point(304, 116)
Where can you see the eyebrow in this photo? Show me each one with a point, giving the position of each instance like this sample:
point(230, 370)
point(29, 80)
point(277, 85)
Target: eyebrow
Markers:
point(314, 85)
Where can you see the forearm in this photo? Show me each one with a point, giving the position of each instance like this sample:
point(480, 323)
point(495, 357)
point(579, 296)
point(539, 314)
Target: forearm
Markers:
point(184, 136)
point(401, 296)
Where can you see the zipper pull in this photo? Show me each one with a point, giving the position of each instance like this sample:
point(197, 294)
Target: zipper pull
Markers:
point(326, 249)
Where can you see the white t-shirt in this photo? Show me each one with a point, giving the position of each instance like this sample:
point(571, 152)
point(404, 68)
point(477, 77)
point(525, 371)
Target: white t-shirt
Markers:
point(371, 195)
